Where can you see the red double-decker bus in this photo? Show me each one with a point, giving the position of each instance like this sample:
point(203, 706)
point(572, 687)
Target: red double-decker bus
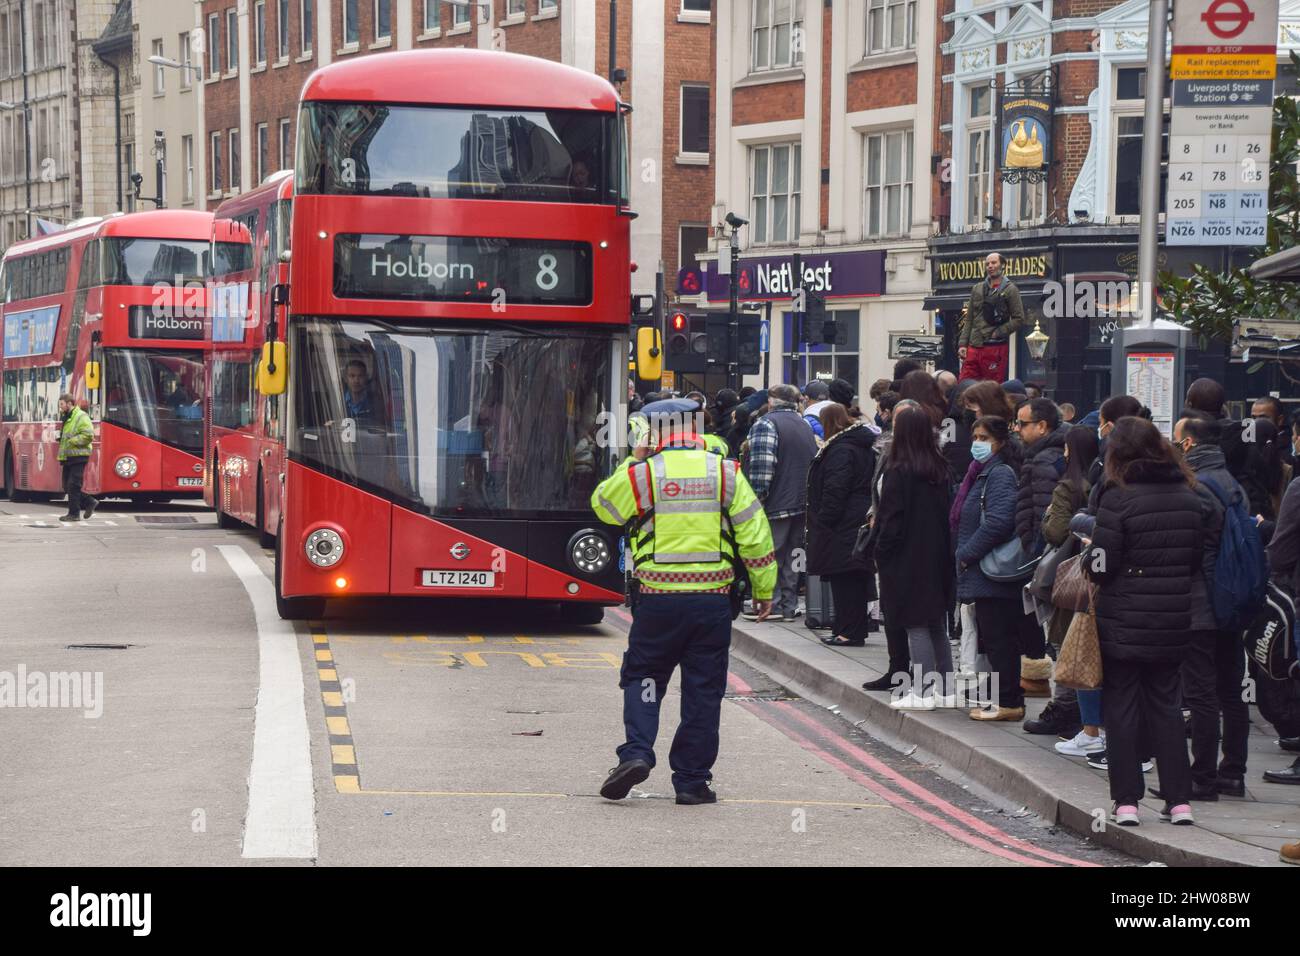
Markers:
point(457, 332)
point(111, 311)
point(245, 447)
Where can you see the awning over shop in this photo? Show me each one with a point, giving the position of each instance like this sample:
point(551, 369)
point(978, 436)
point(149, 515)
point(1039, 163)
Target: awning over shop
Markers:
point(1283, 266)
point(953, 301)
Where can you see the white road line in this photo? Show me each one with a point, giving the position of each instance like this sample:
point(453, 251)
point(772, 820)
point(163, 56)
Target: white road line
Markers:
point(281, 820)
point(111, 524)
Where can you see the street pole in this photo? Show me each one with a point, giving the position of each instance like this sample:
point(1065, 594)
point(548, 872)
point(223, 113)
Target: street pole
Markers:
point(1153, 126)
point(767, 356)
point(613, 38)
point(659, 326)
point(733, 315)
point(796, 325)
point(27, 117)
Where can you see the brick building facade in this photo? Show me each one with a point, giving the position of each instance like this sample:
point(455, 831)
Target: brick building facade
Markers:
point(823, 116)
point(253, 83)
point(1084, 217)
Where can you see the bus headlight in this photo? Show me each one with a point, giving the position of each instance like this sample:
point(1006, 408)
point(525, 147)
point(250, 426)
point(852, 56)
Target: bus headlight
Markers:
point(126, 467)
point(324, 548)
point(589, 552)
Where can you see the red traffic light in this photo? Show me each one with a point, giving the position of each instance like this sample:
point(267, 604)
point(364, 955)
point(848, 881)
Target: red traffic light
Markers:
point(679, 321)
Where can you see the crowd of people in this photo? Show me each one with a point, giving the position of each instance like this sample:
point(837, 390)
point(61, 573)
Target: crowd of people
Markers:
point(919, 513)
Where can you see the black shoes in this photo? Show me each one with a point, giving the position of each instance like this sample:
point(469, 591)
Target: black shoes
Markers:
point(623, 778)
point(90, 508)
point(1055, 719)
point(1290, 744)
point(883, 682)
point(1290, 775)
point(69, 517)
point(693, 798)
point(1201, 793)
point(1232, 786)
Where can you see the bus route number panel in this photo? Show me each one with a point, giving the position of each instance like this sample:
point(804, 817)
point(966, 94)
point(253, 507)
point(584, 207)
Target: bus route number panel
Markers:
point(462, 269)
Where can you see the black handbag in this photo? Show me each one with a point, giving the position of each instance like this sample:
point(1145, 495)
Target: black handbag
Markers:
point(1009, 562)
point(1040, 586)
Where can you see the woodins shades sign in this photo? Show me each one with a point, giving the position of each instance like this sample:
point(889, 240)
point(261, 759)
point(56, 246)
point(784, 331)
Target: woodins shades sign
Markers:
point(971, 270)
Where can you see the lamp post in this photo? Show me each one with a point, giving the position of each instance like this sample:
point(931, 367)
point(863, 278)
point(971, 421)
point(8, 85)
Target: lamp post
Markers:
point(160, 149)
point(1037, 341)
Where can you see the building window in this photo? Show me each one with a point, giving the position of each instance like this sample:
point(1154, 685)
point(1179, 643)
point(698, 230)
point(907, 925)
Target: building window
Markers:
point(5, 68)
point(351, 29)
point(159, 76)
point(515, 8)
point(891, 25)
point(823, 362)
point(979, 155)
point(187, 161)
point(431, 8)
point(214, 44)
point(282, 30)
point(232, 41)
point(774, 193)
point(286, 149)
point(696, 6)
point(263, 150)
point(304, 25)
point(1129, 115)
point(544, 5)
point(6, 147)
point(695, 119)
point(460, 14)
point(216, 163)
point(692, 242)
point(889, 184)
point(259, 33)
point(778, 38)
point(187, 60)
point(383, 22)
point(234, 161)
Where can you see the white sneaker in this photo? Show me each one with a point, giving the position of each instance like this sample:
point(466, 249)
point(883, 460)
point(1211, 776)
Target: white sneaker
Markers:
point(1080, 745)
point(912, 701)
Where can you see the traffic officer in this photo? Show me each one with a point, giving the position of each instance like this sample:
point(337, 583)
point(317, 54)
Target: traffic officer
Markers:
point(76, 437)
point(692, 519)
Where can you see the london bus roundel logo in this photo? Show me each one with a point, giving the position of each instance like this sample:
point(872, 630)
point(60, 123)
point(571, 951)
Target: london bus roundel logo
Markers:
point(460, 551)
point(672, 489)
point(1227, 18)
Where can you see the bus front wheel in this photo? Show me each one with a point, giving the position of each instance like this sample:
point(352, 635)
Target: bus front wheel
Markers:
point(264, 538)
point(293, 608)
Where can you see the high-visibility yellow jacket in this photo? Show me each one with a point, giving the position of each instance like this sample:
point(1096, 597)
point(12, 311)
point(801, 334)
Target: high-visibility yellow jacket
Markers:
point(684, 503)
point(716, 444)
point(77, 435)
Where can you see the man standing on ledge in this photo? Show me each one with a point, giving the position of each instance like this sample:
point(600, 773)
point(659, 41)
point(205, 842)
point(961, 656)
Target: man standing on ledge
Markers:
point(692, 519)
point(993, 315)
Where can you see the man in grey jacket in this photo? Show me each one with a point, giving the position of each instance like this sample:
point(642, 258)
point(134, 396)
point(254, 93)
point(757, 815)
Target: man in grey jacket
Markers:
point(1214, 667)
point(781, 447)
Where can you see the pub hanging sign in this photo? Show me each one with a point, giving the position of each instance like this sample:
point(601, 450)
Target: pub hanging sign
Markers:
point(1025, 129)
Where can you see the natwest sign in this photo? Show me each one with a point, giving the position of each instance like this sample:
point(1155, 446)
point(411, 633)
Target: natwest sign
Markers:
point(836, 275)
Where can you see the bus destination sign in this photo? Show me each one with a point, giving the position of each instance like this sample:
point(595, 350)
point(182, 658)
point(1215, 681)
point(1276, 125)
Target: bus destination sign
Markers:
point(147, 322)
point(462, 269)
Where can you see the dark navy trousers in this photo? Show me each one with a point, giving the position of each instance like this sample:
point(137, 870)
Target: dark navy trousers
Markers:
point(691, 631)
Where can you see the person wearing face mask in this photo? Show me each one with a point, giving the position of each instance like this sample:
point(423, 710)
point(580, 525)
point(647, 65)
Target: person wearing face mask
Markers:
point(983, 516)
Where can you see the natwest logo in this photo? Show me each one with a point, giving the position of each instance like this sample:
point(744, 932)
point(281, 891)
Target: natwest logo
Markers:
point(780, 279)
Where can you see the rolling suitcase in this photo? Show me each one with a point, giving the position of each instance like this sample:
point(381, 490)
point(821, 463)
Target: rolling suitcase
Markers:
point(819, 607)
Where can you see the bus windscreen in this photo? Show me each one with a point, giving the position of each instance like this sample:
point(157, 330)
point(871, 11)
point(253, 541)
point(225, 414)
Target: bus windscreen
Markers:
point(148, 262)
point(157, 393)
point(368, 149)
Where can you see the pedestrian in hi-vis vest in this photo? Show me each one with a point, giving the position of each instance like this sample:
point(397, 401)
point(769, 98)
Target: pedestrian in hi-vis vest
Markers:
point(75, 439)
point(693, 523)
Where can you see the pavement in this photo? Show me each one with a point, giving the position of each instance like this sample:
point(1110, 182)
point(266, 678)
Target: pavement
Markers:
point(1024, 768)
point(210, 733)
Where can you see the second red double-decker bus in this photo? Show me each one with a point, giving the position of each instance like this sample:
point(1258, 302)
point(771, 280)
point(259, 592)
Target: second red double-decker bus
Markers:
point(245, 448)
point(111, 312)
point(457, 335)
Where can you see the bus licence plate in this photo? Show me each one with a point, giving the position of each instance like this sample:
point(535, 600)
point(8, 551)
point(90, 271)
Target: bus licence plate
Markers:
point(189, 482)
point(459, 579)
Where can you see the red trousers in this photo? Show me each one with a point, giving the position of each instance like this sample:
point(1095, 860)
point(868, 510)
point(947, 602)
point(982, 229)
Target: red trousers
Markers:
point(986, 362)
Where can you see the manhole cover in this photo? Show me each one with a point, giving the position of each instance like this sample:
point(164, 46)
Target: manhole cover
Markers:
point(98, 647)
point(165, 519)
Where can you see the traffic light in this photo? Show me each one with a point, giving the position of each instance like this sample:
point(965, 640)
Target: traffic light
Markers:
point(687, 341)
point(820, 326)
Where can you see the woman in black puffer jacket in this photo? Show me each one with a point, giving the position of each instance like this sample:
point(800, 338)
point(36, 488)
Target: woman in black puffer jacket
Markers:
point(839, 494)
point(1145, 549)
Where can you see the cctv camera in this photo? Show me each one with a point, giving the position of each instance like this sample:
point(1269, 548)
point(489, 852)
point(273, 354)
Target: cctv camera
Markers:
point(735, 222)
point(137, 179)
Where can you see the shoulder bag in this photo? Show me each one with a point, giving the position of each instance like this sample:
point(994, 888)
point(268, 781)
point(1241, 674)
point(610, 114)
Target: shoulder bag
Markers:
point(1009, 562)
